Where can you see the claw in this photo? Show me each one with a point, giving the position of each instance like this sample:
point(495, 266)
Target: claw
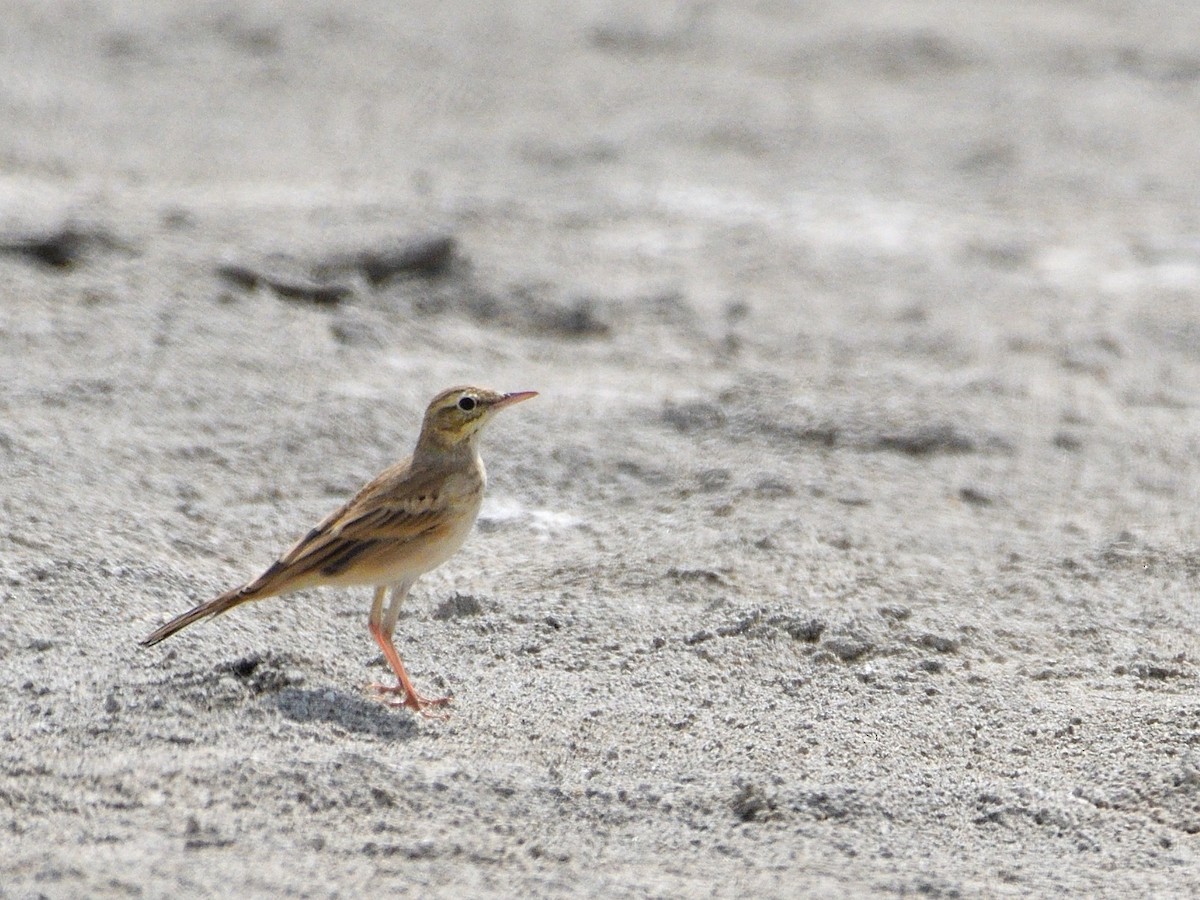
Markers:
point(407, 700)
point(385, 688)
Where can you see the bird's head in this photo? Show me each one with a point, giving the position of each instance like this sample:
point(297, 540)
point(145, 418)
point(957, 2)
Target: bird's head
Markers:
point(456, 415)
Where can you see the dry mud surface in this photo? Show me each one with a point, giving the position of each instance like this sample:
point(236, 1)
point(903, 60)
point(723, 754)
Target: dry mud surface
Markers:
point(850, 549)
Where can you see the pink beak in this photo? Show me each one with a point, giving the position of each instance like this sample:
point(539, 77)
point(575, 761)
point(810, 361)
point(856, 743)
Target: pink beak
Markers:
point(515, 397)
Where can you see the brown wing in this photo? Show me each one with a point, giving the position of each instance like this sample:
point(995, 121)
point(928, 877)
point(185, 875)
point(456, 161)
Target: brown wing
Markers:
point(390, 511)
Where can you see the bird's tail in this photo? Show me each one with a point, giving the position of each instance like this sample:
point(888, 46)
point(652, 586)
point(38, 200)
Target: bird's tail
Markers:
point(228, 600)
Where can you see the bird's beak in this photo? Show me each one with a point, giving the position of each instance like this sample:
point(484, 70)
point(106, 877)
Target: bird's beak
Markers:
point(515, 397)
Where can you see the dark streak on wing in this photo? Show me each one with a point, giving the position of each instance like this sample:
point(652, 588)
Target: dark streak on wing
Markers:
point(274, 569)
point(311, 541)
point(308, 538)
point(379, 519)
point(330, 557)
point(343, 555)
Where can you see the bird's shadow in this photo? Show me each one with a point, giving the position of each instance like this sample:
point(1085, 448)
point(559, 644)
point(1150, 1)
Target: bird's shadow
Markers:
point(346, 711)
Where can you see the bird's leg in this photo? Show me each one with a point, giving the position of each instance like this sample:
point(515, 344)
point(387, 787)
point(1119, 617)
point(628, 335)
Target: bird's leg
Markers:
point(376, 627)
point(382, 627)
point(399, 593)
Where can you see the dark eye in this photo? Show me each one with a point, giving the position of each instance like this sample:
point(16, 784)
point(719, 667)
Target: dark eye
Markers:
point(466, 404)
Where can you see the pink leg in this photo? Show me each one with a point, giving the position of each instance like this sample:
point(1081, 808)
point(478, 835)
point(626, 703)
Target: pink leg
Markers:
point(381, 628)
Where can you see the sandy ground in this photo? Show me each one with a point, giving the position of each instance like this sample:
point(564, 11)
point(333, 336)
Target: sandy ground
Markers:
point(851, 549)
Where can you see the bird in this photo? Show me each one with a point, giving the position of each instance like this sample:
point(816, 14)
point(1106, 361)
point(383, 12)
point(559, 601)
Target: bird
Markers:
point(405, 522)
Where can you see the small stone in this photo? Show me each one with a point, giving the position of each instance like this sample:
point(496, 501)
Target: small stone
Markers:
point(974, 496)
point(457, 607)
point(1064, 440)
point(848, 649)
point(771, 488)
point(938, 642)
point(689, 417)
point(714, 479)
point(807, 630)
point(752, 804)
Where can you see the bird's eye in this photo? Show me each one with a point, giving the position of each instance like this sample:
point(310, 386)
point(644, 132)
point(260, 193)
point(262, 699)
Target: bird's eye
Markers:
point(466, 404)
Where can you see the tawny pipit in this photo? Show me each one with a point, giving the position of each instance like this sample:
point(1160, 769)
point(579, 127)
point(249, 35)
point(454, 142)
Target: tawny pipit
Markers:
point(410, 519)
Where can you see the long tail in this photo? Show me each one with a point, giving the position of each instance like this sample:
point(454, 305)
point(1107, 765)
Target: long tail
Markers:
point(247, 592)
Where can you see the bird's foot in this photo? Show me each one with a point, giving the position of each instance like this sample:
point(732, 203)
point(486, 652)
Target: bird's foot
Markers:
point(410, 700)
